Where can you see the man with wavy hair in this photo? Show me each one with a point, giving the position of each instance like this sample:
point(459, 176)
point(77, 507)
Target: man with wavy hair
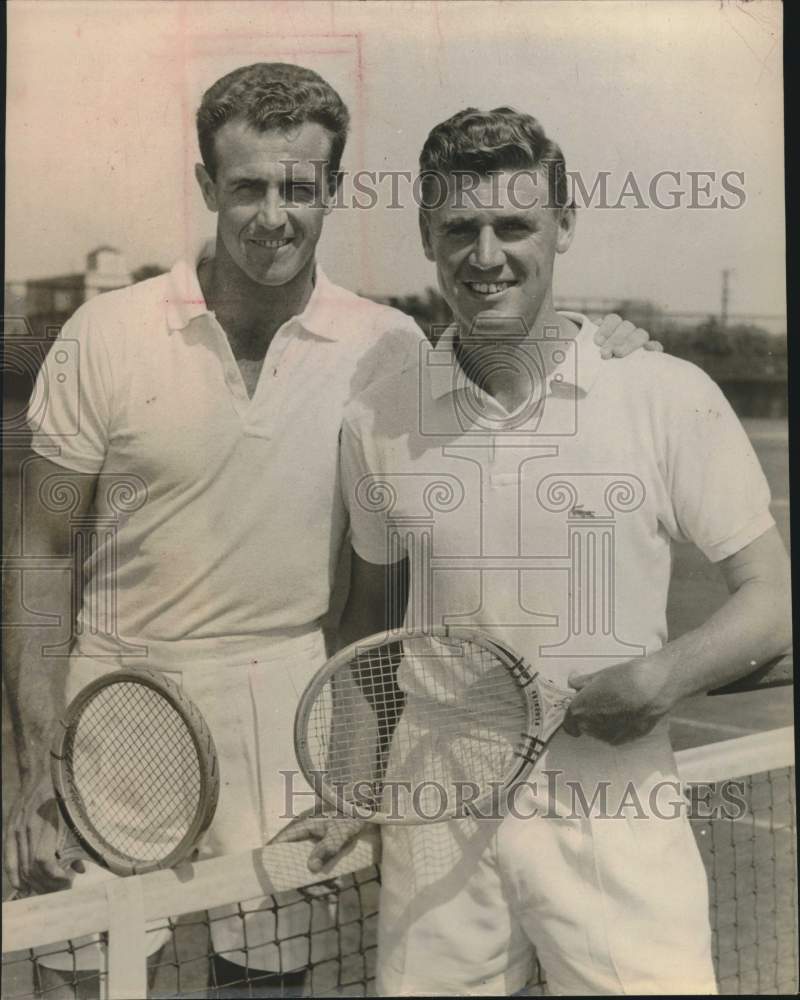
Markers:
point(216, 392)
point(545, 440)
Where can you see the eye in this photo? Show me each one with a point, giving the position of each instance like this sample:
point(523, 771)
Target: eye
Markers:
point(458, 230)
point(301, 193)
point(513, 228)
point(246, 187)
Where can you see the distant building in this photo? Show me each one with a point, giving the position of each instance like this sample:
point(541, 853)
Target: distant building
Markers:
point(15, 298)
point(40, 307)
point(55, 299)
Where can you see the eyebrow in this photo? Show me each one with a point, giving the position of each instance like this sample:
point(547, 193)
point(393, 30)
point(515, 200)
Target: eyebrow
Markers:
point(296, 176)
point(460, 224)
point(454, 225)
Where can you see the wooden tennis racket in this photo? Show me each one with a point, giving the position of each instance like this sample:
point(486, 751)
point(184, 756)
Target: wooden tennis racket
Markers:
point(426, 728)
point(135, 774)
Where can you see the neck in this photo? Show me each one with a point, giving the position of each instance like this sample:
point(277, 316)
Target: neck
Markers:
point(525, 367)
point(243, 307)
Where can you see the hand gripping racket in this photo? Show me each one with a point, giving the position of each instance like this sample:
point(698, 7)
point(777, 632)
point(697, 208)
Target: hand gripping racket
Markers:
point(135, 774)
point(425, 728)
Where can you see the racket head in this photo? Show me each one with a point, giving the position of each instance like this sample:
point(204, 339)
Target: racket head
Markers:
point(135, 771)
point(450, 707)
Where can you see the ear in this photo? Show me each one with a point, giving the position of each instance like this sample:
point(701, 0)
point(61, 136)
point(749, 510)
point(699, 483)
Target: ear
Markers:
point(207, 186)
point(566, 228)
point(425, 233)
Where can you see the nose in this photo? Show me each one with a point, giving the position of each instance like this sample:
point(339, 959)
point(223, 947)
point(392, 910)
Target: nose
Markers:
point(271, 212)
point(488, 251)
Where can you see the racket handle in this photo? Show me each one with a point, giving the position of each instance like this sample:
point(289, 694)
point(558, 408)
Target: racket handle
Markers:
point(555, 702)
point(68, 849)
point(67, 852)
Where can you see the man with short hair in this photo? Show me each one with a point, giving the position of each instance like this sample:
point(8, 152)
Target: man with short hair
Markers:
point(215, 393)
point(583, 474)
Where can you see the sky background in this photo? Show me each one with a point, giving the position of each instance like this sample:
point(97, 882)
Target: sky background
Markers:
point(101, 143)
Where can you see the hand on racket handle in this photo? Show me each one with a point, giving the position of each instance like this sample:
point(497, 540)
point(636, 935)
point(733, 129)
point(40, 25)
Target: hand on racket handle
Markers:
point(134, 771)
point(332, 834)
point(619, 703)
point(34, 833)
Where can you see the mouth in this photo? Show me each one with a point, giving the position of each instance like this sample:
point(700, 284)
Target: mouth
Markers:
point(488, 289)
point(272, 244)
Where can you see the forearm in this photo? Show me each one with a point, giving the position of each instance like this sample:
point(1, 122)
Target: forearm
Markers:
point(376, 601)
point(625, 701)
point(34, 687)
point(751, 628)
point(34, 683)
point(376, 604)
point(358, 621)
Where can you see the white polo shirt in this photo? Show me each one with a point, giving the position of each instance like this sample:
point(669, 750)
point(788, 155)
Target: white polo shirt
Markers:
point(224, 518)
point(550, 527)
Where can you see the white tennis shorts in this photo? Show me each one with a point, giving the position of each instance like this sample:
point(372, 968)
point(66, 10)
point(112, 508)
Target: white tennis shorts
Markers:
point(249, 708)
point(614, 898)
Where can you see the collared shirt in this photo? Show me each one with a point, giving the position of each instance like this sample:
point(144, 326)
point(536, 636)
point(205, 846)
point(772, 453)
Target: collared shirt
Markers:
point(550, 526)
point(221, 513)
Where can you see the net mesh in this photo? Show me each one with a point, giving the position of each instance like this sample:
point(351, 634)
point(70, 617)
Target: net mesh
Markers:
point(329, 928)
point(134, 772)
point(752, 869)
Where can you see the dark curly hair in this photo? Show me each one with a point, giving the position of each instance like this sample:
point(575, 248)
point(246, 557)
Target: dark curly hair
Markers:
point(482, 142)
point(272, 96)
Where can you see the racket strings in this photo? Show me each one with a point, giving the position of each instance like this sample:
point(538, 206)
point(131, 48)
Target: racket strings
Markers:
point(424, 711)
point(135, 771)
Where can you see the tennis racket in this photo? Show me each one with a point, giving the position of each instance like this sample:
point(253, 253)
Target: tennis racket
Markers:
point(135, 774)
point(426, 728)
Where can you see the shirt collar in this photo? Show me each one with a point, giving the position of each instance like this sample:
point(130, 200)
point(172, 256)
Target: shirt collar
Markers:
point(185, 300)
point(579, 368)
point(322, 316)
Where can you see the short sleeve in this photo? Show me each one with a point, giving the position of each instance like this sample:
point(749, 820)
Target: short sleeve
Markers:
point(720, 494)
point(410, 341)
point(69, 409)
point(394, 347)
point(367, 497)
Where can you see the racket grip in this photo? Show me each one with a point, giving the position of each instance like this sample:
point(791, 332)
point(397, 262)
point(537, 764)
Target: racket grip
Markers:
point(68, 850)
point(555, 702)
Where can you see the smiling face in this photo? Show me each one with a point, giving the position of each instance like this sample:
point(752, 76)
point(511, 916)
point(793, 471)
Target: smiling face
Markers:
point(271, 195)
point(494, 247)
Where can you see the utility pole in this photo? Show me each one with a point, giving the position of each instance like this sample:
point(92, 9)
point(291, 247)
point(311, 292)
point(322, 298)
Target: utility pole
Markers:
point(726, 273)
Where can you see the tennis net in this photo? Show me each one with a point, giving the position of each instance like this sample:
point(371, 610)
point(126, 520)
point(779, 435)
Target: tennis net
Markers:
point(99, 936)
